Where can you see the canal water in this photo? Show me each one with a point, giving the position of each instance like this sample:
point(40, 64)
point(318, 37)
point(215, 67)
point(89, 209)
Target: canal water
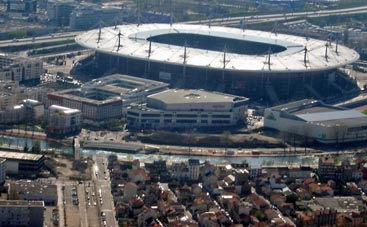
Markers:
point(20, 143)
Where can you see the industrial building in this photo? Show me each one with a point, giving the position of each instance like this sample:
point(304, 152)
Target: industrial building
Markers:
point(21, 213)
point(63, 121)
point(255, 64)
point(22, 163)
point(104, 99)
point(178, 108)
point(315, 120)
point(20, 69)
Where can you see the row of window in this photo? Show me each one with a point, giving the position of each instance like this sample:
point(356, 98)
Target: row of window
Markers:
point(181, 115)
point(182, 121)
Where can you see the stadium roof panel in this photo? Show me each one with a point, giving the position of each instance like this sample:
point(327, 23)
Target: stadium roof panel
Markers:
point(134, 44)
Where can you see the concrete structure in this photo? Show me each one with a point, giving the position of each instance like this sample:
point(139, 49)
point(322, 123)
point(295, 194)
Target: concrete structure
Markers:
point(62, 120)
point(131, 89)
point(33, 110)
point(20, 69)
point(33, 191)
point(29, 110)
point(22, 163)
point(21, 6)
point(104, 98)
point(194, 169)
point(249, 63)
point(2, 170)
point(95, 106)
point(187, 108)
point(315, 120)
point(88, 16)
point(58, 11)
point(21, 213)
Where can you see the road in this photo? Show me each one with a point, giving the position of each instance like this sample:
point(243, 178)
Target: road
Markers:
point(103, 186)
point(235, 21)
point(41, 39)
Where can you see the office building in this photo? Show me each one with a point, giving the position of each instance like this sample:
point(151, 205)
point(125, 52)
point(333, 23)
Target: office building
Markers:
point(178, 108)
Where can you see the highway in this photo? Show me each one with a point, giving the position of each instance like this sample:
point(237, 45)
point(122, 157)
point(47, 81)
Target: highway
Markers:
point(40, 39)
point(235, 21)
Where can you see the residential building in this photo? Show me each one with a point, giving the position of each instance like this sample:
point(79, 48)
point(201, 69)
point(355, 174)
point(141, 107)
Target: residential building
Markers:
point(21, 213)
point(20, 69)
point(62, 120)
point(179, 108)
point(194, 169)
point(33, 110)
point(326, 168)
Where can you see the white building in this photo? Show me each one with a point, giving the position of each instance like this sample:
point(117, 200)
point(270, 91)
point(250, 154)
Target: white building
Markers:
point(62, 120)
point(187, 109)
point(2, 170)
point(104, 98)
point(21, 213)
point(20, 69)
point(194, 169)
point(33, 110)
point(314, 119)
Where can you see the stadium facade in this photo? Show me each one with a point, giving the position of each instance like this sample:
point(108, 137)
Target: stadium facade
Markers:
point(255, 64)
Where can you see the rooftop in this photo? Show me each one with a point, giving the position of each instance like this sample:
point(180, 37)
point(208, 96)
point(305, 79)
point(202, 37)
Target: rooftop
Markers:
point(32, 188)
point(21, 203)
point(194, 96)
point(20, 156)
point(134, 40)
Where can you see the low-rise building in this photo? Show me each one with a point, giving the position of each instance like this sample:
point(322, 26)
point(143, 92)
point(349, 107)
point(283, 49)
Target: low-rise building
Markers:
point(20, 69)
point(21, 213)
point(22, 163)
point(33, 110)
point(178, 108)
point(313, 119)
point(62, 120)
point(33, 191)
point(104, 98)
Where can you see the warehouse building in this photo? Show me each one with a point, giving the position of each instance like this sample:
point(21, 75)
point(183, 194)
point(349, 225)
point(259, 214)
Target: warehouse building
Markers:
point(178, 108)
point(316, 120)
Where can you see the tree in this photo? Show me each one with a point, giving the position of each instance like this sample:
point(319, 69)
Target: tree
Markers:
point(36, 148)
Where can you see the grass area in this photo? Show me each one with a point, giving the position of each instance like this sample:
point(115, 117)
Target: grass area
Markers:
point(364, 111)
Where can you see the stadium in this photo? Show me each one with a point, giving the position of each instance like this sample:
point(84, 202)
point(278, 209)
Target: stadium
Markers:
point(256, 64)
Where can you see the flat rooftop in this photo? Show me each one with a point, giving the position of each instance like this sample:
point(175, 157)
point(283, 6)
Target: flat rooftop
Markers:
point(32, 188)
point(20, 156)
point(125, 85)
point(194, 96)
